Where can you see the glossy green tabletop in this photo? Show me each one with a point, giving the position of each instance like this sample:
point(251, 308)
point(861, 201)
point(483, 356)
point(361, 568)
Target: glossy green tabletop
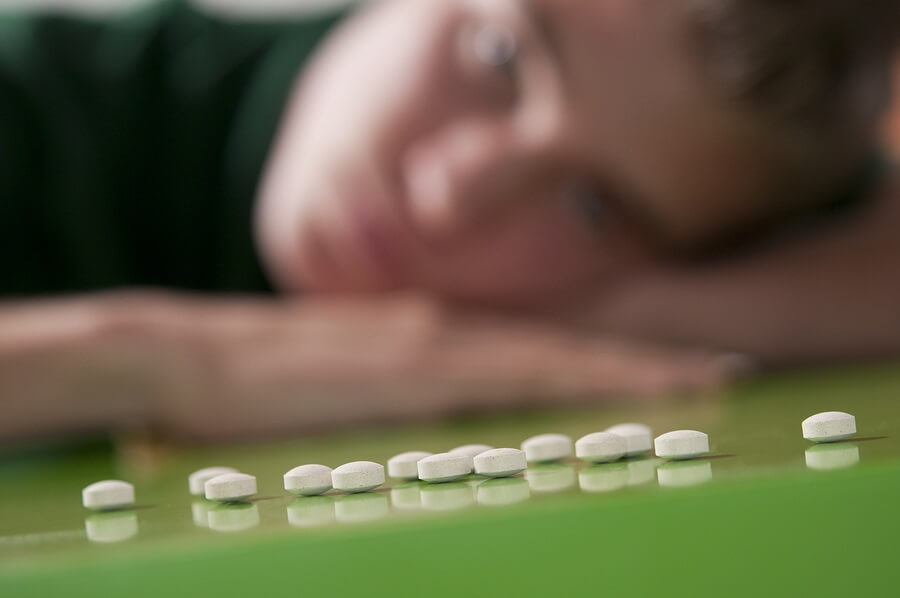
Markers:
point(767, 514)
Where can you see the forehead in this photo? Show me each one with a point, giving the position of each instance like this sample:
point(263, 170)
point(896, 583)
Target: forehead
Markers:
point(645, 117)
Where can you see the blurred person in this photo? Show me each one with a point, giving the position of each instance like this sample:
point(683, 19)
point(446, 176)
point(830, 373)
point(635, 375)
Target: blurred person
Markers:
point(482, 203)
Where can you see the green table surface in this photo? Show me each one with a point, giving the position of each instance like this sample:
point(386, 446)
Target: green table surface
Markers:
point(753, 519)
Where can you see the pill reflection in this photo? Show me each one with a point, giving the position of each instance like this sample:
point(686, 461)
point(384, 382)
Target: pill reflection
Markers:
point(114, 526)
point(447, 497)
point(200, 509)
point(642, 471)
point(679, 474)
point(824, 457)
point(550, 477)
point(407, 497)
point(234, 517)
point(502, 491)
point(361, 507)
point(603, 478)
point(311, 511)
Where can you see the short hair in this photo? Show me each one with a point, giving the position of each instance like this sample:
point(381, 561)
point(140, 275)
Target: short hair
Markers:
point(817, 73)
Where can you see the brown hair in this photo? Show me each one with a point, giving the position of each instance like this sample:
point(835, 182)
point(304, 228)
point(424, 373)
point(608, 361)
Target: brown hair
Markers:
point(817, 73)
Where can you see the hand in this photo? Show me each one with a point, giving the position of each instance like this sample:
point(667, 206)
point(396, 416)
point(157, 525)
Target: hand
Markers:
point(222, 368)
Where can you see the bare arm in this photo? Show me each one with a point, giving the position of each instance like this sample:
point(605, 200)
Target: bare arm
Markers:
point(204, 368)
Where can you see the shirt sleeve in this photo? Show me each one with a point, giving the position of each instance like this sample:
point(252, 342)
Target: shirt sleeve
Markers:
point(131, 147)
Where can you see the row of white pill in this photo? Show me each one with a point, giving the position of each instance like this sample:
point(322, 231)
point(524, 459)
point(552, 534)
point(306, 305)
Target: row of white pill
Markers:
point(226, 484)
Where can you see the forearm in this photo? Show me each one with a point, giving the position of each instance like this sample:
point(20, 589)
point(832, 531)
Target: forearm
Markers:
point(80, 365)
point(206, 369)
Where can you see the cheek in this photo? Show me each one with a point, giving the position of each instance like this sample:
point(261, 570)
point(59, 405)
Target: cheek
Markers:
point(386, 75)
point(540, 253)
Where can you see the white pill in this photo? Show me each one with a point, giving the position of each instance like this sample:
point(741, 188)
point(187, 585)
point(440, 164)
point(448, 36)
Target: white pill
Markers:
point(829, 426)
point(404, 465)
point(638, 438)
point(308, 480)
point(108, 494)
point(600, 447)
point(197, 479)
point(500, 462)
point(358, 476)
point(230, 487)
point(470, 450)
point(681, 444)
point(444, 467)
point(544, 448)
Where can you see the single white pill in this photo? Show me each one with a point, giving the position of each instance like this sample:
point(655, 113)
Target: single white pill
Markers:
point(681, 444)
point(358, 476)
point(308, 480)
point(544, 448)
point(829, 426)
point(600, 447)
point(470, 450)
point(197, 479)
point(404, 465)
point(108, 494)
point(638, 438)
point(444, 467)
point(500, 462)
point(230, 487)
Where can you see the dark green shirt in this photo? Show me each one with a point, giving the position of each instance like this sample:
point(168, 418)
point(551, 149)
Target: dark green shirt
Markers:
point(131, 147)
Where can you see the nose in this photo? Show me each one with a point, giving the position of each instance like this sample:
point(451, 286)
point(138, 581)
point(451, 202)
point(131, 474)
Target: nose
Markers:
point(471, 173)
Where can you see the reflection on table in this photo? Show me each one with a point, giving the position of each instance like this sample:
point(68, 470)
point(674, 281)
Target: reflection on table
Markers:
point(839, 455)
point(112, 526)
point(235, 517)
point(447, 497)
point(603, 478)
point(550, 477)
point(502, 491)
point(311, 511)
point(360, 508)
point(680, 474)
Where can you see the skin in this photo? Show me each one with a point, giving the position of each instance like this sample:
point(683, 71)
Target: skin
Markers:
point(512, 185)
point(668, 164)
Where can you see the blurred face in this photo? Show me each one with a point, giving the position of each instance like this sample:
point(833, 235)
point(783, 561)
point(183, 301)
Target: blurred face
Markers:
point(510, 151)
